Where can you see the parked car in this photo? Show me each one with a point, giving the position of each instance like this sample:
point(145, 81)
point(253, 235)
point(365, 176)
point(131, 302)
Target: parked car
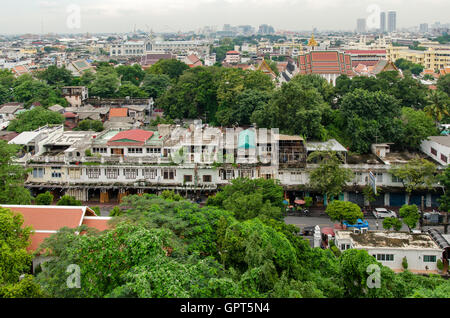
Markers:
point(360, 224)
point(308, 231)
point(381, 213)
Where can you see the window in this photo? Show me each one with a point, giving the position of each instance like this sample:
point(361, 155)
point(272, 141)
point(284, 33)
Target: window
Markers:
point(169, 174)
point(56, 172)
point(134, 150)
point(150, 173)
point(38, 172)
point(154, 150)
point(433, 151)
point(99, 150)
point(187, 178)
point(444, 158)
point(296, 176)
point(429, 258)
point(74, 173)
point(379, 176)
point(93, 173)
point(207, 178)
point(345, 247)
point(385, 257)
point(112, 173)
point(358, 177)
point(130, 173)
point(246, 173)
point(396, 179)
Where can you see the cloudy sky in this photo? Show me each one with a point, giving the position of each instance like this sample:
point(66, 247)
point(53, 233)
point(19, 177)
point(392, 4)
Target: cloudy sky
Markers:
point(60, 16)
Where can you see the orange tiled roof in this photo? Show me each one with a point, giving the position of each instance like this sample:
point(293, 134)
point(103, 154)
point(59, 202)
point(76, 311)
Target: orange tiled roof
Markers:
point(118, 112)
point(47, 220)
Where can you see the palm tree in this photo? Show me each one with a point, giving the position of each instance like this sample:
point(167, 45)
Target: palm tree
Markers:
point(438, 106)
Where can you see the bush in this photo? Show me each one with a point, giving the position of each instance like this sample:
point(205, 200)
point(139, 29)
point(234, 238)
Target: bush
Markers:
point(405, 263)
point(308, 201)
point(69, 201)
point(116, 211)
point(439, 264)
point(88, 153)
point(44, 198)
point(337, 252)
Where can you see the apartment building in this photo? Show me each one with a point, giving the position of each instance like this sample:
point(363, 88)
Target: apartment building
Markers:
point(194, 161)
point(436, 57)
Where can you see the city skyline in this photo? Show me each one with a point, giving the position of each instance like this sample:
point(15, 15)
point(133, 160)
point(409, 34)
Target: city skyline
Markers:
point(114, 16)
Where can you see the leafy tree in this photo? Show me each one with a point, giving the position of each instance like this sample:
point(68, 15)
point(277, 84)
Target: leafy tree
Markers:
point(5, 94)
point(329, 177)
point(12, 177)
point(443, 84)
point(87, 78)
point(249, 198)
point(369, 114)
point(35, 118)
point(344, 211)
point(294, 109)
point(444, 200)
point(7, 78)
point(439, 106)
point(131, 90)
point(417, 174)
point(15, 259)
point(410, 215)
point(392, 223)
point(131, 73)
point(155, 85)
point(193, 96)
point(68, 200)
point(27, 90)
point(170, 67)
point(56, 76)
point(105, 84)
point(90, 125)
point(322, 85)
point(240, 112)
point(44, 198)
point(417, 126)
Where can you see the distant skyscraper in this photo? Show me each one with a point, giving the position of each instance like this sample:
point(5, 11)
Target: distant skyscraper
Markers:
point(266, 29)
point(361, 26)
point(383, 22)
point(392, 21)
point(423, 28)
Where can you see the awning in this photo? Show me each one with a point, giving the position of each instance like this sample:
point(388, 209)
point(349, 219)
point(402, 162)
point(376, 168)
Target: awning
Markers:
point(299, 202)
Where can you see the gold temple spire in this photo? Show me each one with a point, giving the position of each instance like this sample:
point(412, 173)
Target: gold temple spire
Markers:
point(312, 42)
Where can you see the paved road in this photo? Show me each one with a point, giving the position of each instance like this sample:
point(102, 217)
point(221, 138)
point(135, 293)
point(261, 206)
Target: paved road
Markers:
point(324, 221)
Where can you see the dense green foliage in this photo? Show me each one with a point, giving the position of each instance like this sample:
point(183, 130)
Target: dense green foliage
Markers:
point(168, 247)
point(35, 118)
point(45, 198)
point(68, 200)
point(410, 215)
point(344, 211)
point(92, 125)
point(249, 198)
point(15, 260)
point(12, 177)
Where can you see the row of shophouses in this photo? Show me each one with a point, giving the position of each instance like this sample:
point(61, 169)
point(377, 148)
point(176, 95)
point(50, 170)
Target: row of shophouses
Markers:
point(196, 162)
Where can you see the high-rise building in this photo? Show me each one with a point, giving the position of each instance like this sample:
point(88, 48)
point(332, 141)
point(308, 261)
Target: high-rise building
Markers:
point(383, 22)
point(423, 28)
point(266, 29)
point(361, 26)
point(392, 21)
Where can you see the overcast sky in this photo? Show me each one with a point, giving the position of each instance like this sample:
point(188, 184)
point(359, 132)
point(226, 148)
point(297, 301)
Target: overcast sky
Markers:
point(33, 16)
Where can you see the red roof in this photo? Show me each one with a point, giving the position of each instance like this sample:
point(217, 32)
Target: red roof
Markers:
point(118, 112)
point(233, 52)
point(366, 51)
point(132, 136)
point(70, 115)
point(97, 222)
point(47, 220)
